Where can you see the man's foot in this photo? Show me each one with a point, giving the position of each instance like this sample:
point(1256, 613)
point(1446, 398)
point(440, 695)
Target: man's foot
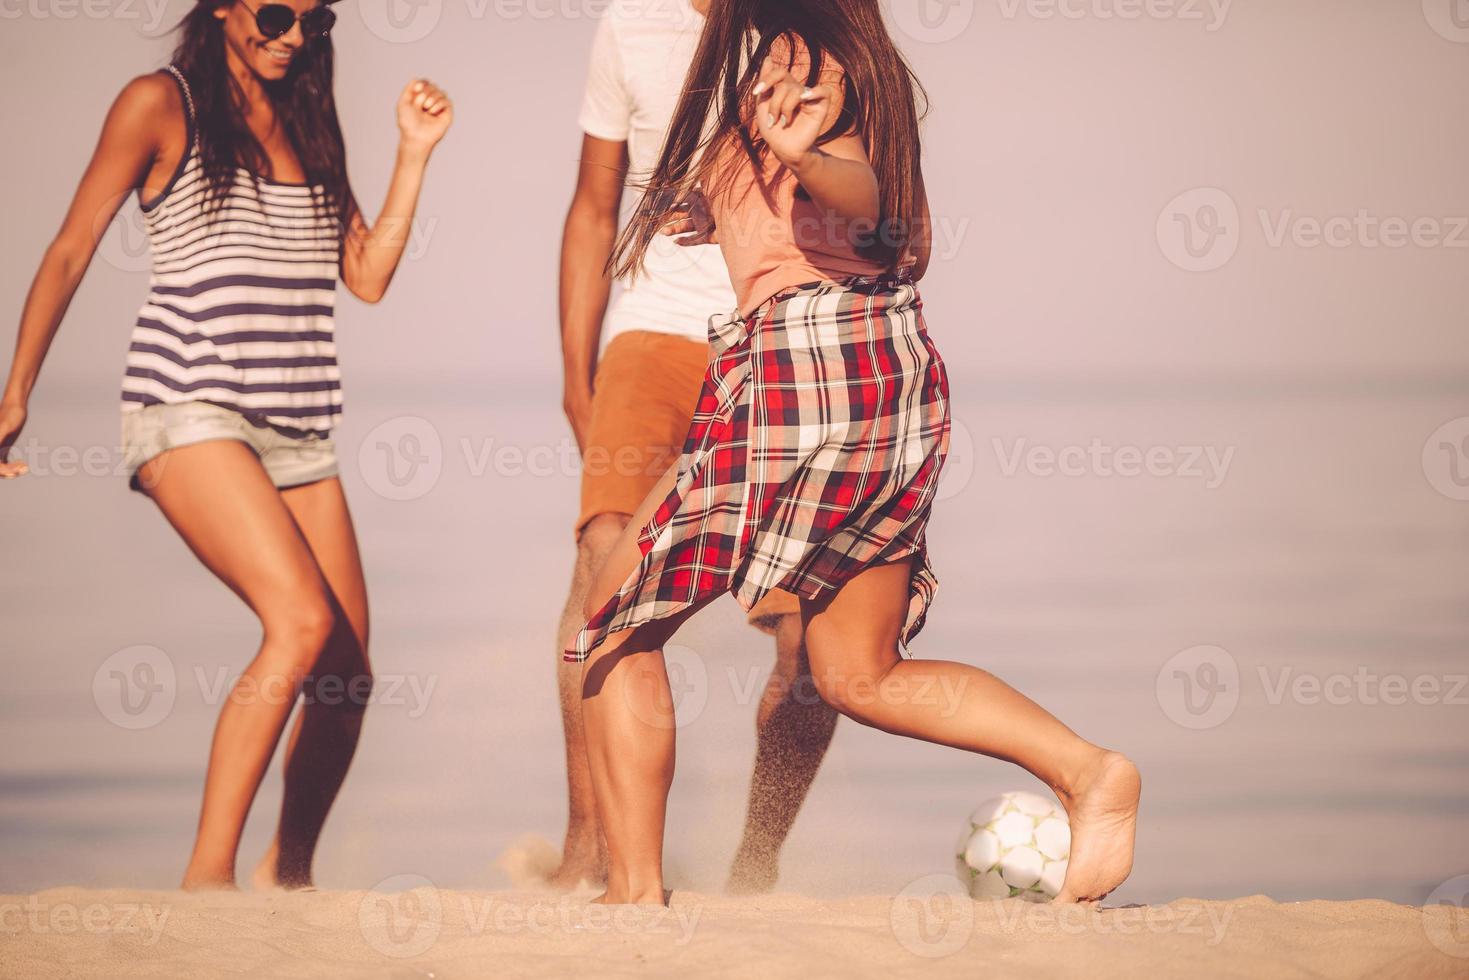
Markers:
point(1103, 812)
point(580, 863)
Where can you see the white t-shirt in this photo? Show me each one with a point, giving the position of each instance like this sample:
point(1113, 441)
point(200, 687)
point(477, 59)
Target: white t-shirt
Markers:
point(640, 56)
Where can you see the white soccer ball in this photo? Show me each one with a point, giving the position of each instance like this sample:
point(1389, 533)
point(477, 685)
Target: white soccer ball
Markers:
point(1015, 846)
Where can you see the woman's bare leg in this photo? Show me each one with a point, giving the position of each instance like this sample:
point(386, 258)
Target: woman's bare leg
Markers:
point(219, 499)
point(324, 737)
point(852, 639)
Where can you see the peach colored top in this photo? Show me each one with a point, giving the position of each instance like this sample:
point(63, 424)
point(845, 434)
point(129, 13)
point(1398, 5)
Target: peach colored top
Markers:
point(773, 239)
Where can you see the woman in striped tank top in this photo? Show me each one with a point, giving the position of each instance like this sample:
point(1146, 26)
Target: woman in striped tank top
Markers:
point(232, 386)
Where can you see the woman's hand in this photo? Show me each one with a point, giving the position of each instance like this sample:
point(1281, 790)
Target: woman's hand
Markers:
point(696, 227)
point(12, 420)
point(424, 114)
point(789, 115)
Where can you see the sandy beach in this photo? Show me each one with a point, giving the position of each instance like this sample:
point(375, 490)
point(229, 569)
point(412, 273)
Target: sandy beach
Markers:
point(420, 931)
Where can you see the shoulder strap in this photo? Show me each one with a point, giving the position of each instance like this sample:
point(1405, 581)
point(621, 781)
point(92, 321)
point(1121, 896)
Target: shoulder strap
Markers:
point(183, 83)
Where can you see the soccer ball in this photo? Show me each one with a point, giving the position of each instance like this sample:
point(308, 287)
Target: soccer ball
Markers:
point(1015, 846)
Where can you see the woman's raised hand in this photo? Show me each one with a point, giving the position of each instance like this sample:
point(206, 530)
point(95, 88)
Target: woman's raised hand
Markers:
point(424, 113)
point(788, 114)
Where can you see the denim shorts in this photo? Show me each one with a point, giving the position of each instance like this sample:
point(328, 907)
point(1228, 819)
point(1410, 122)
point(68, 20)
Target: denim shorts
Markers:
point(289, 460)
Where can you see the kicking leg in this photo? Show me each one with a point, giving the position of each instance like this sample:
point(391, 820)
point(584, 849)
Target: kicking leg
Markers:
point(852, 639)
point(793, 730)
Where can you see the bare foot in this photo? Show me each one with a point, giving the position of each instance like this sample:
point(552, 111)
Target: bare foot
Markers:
point(657, 898)
point(1103, 815)
point(197, 882)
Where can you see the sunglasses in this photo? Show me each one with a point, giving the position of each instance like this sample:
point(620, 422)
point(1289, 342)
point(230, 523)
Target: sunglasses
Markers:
point(275, 19)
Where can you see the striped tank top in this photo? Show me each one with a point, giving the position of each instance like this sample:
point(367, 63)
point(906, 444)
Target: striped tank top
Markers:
point(240, 303)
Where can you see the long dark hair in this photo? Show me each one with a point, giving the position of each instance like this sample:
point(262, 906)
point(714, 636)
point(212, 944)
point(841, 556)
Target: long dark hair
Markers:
point(305, 108)
point(881, 101)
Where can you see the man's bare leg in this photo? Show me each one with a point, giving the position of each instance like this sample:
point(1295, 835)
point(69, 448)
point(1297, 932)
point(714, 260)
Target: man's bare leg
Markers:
point(584, 854)
point(793, 730)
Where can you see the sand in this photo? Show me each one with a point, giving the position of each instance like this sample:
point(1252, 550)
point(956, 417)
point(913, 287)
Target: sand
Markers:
point(411, 929)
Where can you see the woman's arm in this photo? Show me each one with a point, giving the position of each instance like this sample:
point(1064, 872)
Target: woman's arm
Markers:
point(791, 116)
point(370, 255)
point(126, 150)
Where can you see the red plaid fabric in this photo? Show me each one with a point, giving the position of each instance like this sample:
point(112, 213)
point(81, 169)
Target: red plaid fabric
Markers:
point(814, 453)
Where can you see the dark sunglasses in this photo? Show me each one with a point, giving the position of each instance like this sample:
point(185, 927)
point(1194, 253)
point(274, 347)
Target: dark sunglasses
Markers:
point(275, 19)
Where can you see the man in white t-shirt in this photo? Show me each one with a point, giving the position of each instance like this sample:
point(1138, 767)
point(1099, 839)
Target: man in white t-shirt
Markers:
point(630, 410)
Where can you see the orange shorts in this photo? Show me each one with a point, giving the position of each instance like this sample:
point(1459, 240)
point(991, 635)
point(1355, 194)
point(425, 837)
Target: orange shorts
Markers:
point(643, 396)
